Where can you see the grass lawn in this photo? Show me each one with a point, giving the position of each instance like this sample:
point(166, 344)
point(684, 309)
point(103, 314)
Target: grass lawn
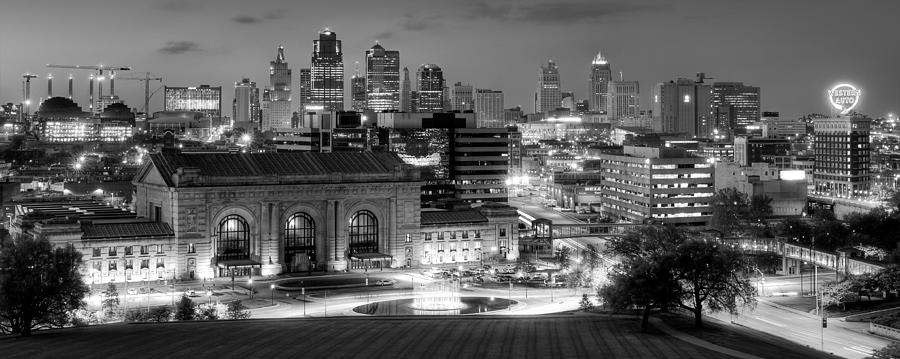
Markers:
point(582, 336)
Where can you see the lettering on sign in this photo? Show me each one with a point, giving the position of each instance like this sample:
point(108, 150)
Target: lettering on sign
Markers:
point(844, 97)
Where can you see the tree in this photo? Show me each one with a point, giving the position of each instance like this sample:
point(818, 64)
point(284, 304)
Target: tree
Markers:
point(711, 278)
point(563, 257)
point(891, 351)
point(796, 230)
point(760, 209)
point(207, 312)
point(593, 256)
point(730, 210)
point(840, 293)
point(642, 282)
point(585, 304)
point(40, 286)
point(159, 314)
point(237, 310)
point(186, 309)
point(110, 304)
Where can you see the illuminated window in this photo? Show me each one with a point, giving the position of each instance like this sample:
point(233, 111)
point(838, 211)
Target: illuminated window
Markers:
point(234, 238)
point(299, 238)
point(364, 233)
point(687, 98)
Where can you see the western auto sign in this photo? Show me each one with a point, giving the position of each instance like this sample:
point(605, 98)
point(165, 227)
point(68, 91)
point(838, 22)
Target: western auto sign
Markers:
point(844, 97)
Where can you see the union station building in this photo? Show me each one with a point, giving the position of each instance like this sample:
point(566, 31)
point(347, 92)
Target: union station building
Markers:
point(273, 213)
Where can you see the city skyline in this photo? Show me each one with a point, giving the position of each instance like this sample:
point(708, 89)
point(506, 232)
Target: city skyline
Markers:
point(798, 50)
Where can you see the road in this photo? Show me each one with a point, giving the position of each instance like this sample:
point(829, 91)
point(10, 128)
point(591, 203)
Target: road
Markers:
point(529, 205)
point(845, 339)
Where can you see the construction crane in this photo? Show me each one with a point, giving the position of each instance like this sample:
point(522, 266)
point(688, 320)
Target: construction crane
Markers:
point(99, 70)
point(147, 94)
point(26, 91)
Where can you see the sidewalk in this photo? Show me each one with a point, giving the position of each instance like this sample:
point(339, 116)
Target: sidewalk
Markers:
point(690, 339)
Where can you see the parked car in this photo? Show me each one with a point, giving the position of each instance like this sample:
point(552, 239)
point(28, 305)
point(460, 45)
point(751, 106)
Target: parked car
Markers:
point(384, 282)
point(132, 291)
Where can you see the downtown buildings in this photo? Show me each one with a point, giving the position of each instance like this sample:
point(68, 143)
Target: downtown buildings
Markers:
point(842, 157)
point(382, 81)
point(598, 85)
point(245, 108)
point(429, 89)
point(327, 72)
point(205, 99)
point(276, 106)
point(624, 99)
point(738, 105)
point(548, 96)
point(683, 106)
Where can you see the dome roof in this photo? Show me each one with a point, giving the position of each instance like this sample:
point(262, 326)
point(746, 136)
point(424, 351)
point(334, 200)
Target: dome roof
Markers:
point(60, 107)
point(117, 111)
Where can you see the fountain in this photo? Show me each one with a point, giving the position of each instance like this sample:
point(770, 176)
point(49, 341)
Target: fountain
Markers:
point(439, 296)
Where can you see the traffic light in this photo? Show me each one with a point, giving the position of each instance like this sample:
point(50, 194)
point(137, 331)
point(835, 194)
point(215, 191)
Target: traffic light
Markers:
point(824, 322)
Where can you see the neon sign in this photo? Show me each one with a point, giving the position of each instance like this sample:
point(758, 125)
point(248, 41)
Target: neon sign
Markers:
point(844, 97)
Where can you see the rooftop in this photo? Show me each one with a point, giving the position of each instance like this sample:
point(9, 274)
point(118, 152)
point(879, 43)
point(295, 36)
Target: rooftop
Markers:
point(452, 217)
point(122, 230)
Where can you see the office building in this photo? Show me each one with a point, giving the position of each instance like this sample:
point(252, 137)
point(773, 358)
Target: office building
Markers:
point(204, 99)
point(327, 72)
point(357, 92)
point(383, 79)
point(743, 101)
point(842, 157)
point(489, 108)
point(657, 185)
point(277, 110)
point(406, 96)
point(624, 99)
point(246, 110)
point(785, 188)
point(462, 97)
point(684, 107)
point(430, 88)
point(749, 150)
point(773, 125)
point(598, 84)
point(304, 89)
point(547, 97)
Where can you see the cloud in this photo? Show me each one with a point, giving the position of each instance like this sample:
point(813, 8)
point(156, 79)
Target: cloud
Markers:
point(178, 5)
point(179, 47)
point(244, 19)
point(384, 35)
point(414, 23)
point(554, 12)
point(275, 14)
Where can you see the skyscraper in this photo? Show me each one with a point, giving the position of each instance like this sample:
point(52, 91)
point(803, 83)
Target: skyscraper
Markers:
point(462, 98)
point(624, 99)
point(305, 88)
point(744, 101)
point(277, 113)
point(683, 106)
point(357, 91)
point(547, 97)
point(327, 72)
point(489, 108)
point(842, 157)
point(430, 86)
point(598, 84)
point(405, 96)
point(246, 104)
point(382, 79)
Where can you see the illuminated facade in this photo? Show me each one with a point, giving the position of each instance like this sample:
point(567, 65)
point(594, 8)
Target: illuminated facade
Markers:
point(548, 96)
point(357, 92)
point(462, 97)
point(382, 81)
point(743, 101)
point(683, 106)
point(405, 93)
point(659, 185)
point(842, 157)
point(598, 85)
point(624, 99)
point(430, 89)
point(327, 72)
point(304, 88)
point(489, 108)
point(204, 99)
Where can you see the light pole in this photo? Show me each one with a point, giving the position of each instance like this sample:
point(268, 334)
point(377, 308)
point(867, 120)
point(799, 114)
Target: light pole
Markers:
point(272, 287)
point(250, 282)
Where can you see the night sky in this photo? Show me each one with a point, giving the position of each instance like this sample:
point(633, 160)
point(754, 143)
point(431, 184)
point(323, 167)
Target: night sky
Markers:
point(794, 50)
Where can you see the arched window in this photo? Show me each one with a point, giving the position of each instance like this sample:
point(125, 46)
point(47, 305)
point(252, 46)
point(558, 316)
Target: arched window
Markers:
point(363, 232)
point(299, 242)
point(234, 238)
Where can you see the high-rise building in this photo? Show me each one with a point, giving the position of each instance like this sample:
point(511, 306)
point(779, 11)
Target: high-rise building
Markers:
point(598, 84)
point(246, 111)
point(327, 72)
point(773, 125)
point(277, 113)
point(842, 157)
point(305, 88)
point(624, 99)
point(382, 79)
point(205, 99)
point(357, 92)
point(662, 185)
point(489, 108)
point(405, 95)
point(462, 97)
point(683, 106)
point(430, 88)
point(547, 97)
point(744, 103)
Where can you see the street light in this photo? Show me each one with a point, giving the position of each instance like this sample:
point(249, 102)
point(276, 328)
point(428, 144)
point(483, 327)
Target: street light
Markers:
point(272, 287)
point(250, 282)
